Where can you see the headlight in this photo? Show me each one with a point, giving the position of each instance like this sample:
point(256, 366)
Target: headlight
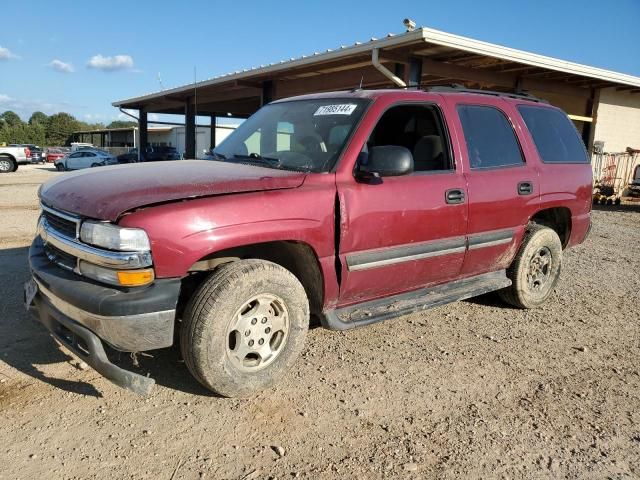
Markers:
point(123, 278)
point(113, 237)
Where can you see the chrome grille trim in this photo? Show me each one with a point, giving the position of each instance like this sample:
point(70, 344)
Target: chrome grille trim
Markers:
point(72, 246)
point(66, 216)
point(97, 256)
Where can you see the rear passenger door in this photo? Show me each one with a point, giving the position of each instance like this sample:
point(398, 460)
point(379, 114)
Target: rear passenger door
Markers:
point(502, 184)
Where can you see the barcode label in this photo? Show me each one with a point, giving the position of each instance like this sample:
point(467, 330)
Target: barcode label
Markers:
point(342, 109)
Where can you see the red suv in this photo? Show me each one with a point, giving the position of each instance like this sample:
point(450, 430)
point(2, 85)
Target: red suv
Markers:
point(353, 207)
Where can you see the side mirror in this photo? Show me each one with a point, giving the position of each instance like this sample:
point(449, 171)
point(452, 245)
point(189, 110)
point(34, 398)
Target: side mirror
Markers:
point(386, 161)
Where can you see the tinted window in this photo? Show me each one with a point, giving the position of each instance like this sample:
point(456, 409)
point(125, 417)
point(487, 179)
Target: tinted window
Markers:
point(490, 139)
point(554, 135)
point(418, 128)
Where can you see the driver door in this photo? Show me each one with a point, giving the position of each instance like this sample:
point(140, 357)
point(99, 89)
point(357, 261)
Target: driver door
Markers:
point(404, 232)
point(75, 161)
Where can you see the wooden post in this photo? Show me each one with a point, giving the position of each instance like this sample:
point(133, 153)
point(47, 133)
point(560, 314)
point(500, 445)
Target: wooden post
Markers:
point(190, 130)
point(144, 133)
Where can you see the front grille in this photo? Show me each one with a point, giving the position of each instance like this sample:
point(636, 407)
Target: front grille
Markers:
point(60, 258)
point(59, 224)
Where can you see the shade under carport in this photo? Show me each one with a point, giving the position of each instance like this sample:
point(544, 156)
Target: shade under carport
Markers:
point(422, 57)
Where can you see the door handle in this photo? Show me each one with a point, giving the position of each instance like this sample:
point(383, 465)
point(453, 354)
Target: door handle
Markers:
point(454, 196)
point(525, 188)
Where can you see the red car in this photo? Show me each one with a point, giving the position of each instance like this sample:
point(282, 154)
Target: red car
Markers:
point(54, 154)
point(354, 207)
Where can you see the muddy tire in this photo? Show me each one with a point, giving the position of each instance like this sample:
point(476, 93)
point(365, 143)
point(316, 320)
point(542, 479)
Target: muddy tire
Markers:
point(7, 164)
point(244, 327)
point(536, 268)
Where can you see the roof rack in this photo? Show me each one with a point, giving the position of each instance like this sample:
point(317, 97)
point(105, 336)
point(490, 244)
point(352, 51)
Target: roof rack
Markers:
point(456, 87)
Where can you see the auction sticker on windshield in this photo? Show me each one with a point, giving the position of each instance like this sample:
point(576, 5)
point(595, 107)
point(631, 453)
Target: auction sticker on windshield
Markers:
point(342, 109)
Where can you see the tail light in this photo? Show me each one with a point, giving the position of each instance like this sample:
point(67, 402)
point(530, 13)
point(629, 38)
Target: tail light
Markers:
point(27, 152)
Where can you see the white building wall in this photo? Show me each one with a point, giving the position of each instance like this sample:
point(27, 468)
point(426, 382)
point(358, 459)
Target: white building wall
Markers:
point(175, 137)
point(617, 120)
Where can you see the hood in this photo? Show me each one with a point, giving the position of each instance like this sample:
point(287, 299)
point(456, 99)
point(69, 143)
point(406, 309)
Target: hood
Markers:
point(105, 193)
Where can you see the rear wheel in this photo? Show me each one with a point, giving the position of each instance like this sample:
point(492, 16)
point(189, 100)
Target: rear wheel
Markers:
point(536, 268)
point(7, 165)
point(244, 327)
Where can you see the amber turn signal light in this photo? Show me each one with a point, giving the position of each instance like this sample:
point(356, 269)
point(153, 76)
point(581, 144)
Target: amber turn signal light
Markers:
point(135, 278)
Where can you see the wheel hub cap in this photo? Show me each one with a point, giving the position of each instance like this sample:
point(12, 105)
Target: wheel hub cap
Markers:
point(258, 332)
point(539, 270)
point(5, 165)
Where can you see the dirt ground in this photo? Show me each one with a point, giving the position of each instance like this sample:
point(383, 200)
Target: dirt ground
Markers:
point(470, 390)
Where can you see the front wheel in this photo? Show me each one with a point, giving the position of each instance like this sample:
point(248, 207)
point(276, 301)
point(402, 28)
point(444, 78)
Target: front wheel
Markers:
point(7, 165)
point(244, 327)
point(60, 167)
point(536, 268)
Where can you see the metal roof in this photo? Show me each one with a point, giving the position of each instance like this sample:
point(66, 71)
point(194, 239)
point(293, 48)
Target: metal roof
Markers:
point(445, 56)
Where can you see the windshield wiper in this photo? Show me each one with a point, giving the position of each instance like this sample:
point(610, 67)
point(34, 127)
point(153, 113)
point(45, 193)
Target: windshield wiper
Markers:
point(217, 156)
point(259, 158)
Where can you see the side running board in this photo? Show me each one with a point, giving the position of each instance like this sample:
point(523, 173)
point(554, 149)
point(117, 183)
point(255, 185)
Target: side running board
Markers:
point(386, 308)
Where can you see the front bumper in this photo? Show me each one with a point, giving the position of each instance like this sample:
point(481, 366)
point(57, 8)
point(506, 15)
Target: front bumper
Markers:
point(81, 314)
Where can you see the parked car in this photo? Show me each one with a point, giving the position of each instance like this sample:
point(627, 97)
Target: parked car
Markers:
point(85, 159)
point(12, 156)
point(36, 151)
point(75, 146)
point(53, 154)
point(130, 157)
point(150, 154)
point(160, 153)
point(354, 207)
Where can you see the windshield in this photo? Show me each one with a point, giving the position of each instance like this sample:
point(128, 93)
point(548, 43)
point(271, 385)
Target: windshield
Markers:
point(307, 135)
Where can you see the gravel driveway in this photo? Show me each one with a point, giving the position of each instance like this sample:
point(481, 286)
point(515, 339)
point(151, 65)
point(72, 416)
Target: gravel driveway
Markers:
point(473, 389)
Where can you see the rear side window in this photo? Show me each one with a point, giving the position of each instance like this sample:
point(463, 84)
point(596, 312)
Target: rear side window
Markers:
point(491, 141)
point(555, 137)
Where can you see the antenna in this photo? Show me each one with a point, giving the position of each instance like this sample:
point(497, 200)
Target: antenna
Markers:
point(361, 80)
point(160, 81)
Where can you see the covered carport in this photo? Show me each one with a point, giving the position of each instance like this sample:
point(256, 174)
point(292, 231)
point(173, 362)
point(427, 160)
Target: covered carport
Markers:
point(418, 58)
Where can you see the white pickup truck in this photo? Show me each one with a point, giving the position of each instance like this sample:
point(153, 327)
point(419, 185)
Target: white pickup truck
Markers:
point(10, 157)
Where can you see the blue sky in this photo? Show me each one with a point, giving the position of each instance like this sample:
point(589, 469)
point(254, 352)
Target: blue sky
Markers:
point(115, 49)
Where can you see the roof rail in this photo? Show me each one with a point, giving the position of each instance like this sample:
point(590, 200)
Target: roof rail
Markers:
point(456, 87)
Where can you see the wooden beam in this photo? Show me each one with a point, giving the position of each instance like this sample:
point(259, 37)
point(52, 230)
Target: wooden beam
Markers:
point(507, 80)
point(216, 94)
point(336, 81)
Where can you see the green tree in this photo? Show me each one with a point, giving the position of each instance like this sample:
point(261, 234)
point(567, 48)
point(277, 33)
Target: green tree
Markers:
point(59, 128)
point(122, 124)
point(38, 118)
point(23, 134)
point(10, 118)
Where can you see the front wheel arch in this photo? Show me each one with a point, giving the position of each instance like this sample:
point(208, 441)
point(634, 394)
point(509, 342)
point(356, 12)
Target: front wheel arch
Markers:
point(297, 257)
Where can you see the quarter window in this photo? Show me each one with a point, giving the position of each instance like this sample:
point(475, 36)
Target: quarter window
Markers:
point(490, 139)
point(556, 139)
